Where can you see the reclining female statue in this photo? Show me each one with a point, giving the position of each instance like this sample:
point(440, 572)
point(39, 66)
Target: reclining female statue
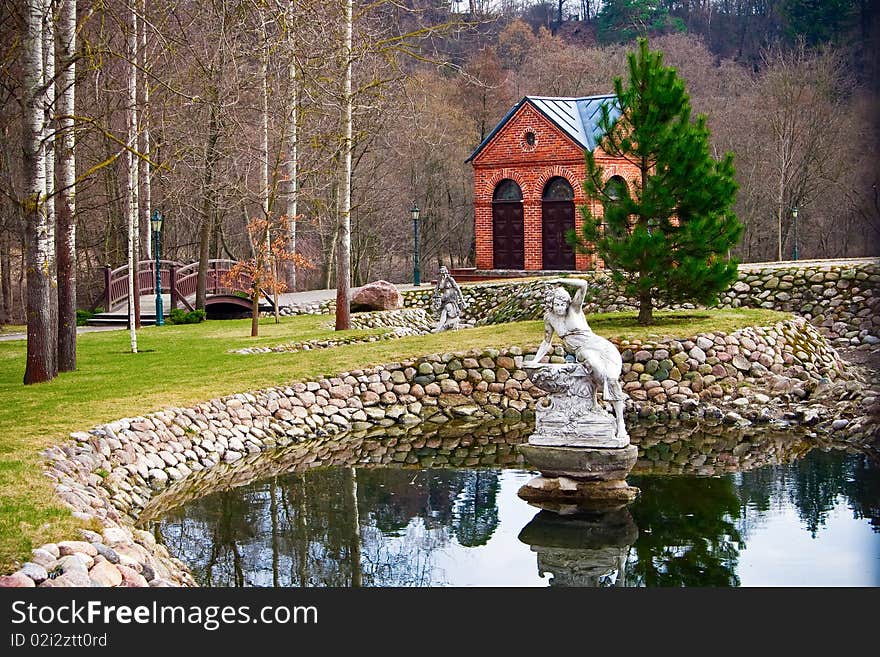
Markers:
point(599, 357)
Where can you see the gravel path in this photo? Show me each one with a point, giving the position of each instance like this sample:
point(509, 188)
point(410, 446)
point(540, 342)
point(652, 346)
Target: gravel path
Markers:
point(867, 358)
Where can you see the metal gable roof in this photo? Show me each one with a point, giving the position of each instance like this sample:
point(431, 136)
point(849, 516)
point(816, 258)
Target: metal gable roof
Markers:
point(576, 117)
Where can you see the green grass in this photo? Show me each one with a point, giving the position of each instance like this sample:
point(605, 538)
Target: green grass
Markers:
point(182, 365)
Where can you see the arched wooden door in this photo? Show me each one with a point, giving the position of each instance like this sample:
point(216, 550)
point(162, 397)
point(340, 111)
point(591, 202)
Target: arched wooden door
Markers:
point(508, 242)
point(557, 218)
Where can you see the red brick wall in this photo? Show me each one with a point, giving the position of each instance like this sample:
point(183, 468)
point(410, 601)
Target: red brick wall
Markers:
point(509, 156)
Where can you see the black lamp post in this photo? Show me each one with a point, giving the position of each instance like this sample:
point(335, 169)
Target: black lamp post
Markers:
point(156, 220)
point(414, 211)
point(794, 253)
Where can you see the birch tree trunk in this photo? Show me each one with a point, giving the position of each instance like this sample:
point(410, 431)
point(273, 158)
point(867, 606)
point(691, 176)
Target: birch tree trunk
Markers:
point(38, 367)
point(212, 157)
point(66, 244)
point(343, 257)
point(132, 162)
point(292, 164)
point(292, 172)
point(50, 111)
point(270, 263)
point(145, 200)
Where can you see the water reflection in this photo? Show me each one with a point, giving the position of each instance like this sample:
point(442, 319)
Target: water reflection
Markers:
point(379, 519)
point(582, 550)
point(688, 532)
point(816, 486)
point(334, 527)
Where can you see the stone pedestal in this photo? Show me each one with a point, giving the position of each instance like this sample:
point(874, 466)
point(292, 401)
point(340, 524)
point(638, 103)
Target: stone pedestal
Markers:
point(583, 463)
point(566, 496)
point(576, 445)
point(569, 419)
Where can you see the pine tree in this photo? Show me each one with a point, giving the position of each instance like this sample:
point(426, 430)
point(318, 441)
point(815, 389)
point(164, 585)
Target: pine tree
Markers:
point(666, 234)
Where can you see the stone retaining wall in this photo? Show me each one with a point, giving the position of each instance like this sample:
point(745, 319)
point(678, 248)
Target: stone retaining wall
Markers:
point(110, 473)
point(461, 444)
point(403, 322)
point(417, 320)
point(841, 298)
point(705, 448)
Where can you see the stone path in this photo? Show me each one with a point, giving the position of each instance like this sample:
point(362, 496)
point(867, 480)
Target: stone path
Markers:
point(79, 329)
point(820, 262)
point(867, 358)
point(287, 299)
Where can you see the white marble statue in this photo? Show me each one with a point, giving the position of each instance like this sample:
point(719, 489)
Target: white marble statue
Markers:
point(448, 301)
point(599, 358)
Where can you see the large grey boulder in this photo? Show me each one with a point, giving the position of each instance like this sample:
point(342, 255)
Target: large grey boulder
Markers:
point(379, 295)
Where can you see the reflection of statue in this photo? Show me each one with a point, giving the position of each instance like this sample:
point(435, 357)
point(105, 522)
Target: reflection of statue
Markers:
point(598, 357)
point(584, 549)
point(448, 301)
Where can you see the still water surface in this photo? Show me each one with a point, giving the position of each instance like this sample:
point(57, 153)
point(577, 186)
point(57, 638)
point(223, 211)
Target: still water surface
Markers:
point(811, 522)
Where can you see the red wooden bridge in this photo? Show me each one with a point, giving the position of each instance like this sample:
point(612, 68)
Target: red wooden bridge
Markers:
point(226, 296)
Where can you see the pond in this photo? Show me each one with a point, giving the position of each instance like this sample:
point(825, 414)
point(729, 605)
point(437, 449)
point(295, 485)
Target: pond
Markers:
point(718, 507)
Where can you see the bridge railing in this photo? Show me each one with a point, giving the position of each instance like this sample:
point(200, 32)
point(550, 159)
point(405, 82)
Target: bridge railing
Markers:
point(217, 281)
point(178, 279)
point(116, 282)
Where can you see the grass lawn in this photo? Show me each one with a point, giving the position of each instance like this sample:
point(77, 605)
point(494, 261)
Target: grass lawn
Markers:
point(185, 364)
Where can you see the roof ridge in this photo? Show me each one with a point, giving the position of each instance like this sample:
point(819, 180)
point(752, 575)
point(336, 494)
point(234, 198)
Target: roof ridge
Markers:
point(608, 95)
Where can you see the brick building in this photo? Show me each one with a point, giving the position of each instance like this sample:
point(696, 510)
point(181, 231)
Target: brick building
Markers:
point(528, 175)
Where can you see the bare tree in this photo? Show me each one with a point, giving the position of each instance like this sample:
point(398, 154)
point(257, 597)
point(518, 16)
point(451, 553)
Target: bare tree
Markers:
point(40, 348)
point(146, 189)
point(132, 188)
point(291, 191)
point(343, 253)
point(50, 111)
point(800, 121)
point(66, 238)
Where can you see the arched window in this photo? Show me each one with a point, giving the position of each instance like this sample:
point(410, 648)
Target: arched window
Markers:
point(615, 188)
point(507, 190)
point(558, 189)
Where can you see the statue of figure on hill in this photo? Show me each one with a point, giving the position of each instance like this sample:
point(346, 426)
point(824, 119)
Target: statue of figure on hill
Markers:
point(448, 301)
point(599, 358)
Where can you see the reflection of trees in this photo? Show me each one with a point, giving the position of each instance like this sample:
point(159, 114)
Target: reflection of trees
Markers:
point(464, 499)
point(863, 490)
point(686, 536)
point(220, 527)
point(814, 484)
point(476, 513)
point(406, 560)
point(281, 532)
point(334, 527)
point(392, 497)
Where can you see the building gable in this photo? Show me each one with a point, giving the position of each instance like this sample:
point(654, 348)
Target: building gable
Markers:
point(578, 119)
point(527, 136)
